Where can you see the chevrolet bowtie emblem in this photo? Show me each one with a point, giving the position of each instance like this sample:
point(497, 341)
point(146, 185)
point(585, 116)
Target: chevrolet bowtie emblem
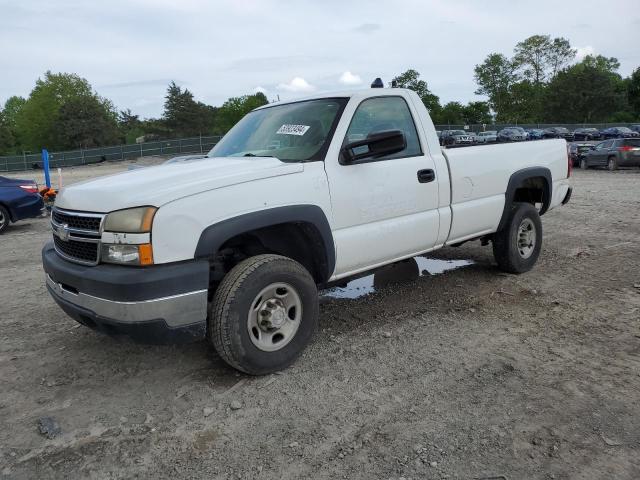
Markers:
point(62, 232)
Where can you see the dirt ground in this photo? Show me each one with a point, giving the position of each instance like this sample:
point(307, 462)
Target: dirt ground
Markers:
point(467, 374)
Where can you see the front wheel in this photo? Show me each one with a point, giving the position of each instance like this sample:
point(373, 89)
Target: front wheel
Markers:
point(263, 314)
point(517, 246)
point(612, 164)
point(4, 219)
point(583, 164)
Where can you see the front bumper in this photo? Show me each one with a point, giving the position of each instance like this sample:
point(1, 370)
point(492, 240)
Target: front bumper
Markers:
point(158, 304)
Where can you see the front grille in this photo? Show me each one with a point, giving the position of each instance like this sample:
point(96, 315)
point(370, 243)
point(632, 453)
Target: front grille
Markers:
point(76, 235)
point(83, 251)
point(76, 221)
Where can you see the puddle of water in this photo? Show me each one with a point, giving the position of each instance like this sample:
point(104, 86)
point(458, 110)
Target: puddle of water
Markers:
point(404, 271)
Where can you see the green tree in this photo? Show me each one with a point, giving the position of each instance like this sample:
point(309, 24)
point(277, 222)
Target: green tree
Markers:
point(235, 108)
point(129, 126)
point(8, 132)
point(540, 58)
point(476, 113)
point(183, 115)
point(12, 108)
point(590, 91)
point(451, 113)
point(495, 78)
point(411, 80)
point(633, 93)
point(7, 141)
point(37, 121)
point(87, 121)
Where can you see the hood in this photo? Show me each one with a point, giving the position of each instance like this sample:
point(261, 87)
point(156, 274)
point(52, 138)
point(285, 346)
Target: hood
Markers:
point(162, 184)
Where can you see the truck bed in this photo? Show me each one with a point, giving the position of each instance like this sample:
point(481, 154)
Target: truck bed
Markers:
point(479, 177)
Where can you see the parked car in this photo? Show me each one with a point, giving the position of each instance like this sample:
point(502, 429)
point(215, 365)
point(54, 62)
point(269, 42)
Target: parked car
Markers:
point(578, 150)
point(455, 137)
point(614, 153)
point(535, 133)
point(619, 132)
point(635, 128)
point(487, 137)
point(557, 132)
point(19, 200)
point(586, 134)
point(153, 260)
point(511, 134)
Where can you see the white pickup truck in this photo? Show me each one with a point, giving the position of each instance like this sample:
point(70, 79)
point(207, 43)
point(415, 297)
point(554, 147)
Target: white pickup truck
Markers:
point(298, 195)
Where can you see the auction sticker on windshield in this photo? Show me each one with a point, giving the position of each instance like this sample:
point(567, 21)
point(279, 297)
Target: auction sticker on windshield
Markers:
point(293, 129)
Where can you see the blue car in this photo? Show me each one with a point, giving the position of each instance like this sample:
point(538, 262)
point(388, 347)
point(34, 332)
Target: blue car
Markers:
point(19, 199)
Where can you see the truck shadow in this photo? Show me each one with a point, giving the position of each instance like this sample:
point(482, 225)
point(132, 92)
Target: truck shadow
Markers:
point(359, 298)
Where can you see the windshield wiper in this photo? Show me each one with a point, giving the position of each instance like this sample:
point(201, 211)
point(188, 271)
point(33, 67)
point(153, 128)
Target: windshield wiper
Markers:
point(254, 155)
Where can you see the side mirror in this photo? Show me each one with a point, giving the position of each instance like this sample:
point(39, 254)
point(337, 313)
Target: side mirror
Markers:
point(377, 144)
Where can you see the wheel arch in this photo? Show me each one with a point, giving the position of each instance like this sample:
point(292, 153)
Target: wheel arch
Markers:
point(299, 231)
point(528, 185)
point(9, 210)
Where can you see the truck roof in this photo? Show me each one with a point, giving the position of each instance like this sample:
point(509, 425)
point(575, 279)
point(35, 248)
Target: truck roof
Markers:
point(363, 93)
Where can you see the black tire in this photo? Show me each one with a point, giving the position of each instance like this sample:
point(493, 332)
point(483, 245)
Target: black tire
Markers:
point(507, 244)
point(229, 313)
point(612, 164)
point(5, 219)
point(583, 164)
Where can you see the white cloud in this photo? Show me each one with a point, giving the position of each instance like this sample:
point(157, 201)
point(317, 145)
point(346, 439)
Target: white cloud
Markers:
point(297, 85)
point(260, 89)
point(584, 51)
point(348, 78)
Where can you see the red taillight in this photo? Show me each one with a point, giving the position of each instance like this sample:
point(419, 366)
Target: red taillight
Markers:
point(30, 188)
point(626, 148)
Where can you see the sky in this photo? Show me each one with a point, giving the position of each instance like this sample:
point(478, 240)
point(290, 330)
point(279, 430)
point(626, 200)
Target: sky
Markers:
point(129, 50)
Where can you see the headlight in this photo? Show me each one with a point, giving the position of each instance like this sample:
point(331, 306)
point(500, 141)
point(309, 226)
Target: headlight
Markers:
point(128, 237)
point(127, 254)
point(131, 220)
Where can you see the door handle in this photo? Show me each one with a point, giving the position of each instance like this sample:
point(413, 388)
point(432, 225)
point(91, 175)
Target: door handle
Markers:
point(426, 176)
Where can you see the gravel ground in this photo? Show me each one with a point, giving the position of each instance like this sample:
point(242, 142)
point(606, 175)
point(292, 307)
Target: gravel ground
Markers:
point(470, 374)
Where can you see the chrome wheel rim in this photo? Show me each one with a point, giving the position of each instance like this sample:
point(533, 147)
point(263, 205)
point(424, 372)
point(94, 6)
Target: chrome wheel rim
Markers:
point(3, 220)
point(274, 317)
point(526, 238)
point(612, 164)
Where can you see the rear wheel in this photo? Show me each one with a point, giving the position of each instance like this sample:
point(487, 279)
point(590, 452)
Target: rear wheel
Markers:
point(4, 219)
point(612, 164)
point(583, 164)
point(517, 246)
point(263, 314)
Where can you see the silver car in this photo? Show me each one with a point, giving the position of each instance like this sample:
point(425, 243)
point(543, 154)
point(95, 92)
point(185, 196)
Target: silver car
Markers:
point(488, 136)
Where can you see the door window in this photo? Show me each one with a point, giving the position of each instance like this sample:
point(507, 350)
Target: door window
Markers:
point(380, 114)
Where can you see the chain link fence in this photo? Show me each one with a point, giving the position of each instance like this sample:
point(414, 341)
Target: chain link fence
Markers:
point(71, 158)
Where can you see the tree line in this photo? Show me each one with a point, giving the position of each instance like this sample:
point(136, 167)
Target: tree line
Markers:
point(540, 83)
point(64, 112)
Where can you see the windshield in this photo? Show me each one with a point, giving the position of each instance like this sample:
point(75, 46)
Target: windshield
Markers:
point(458, 132)
point(293, 132)
point(624, 129)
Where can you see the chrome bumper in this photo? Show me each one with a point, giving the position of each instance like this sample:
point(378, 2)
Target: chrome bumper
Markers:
point(176, 310)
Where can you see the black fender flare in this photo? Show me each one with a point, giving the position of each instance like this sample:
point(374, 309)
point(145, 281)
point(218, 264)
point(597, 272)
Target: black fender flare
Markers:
point(214, 236)
point(516, 179)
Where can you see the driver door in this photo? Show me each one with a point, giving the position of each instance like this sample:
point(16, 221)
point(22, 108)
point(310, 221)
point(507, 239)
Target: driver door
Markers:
point(384, 208)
